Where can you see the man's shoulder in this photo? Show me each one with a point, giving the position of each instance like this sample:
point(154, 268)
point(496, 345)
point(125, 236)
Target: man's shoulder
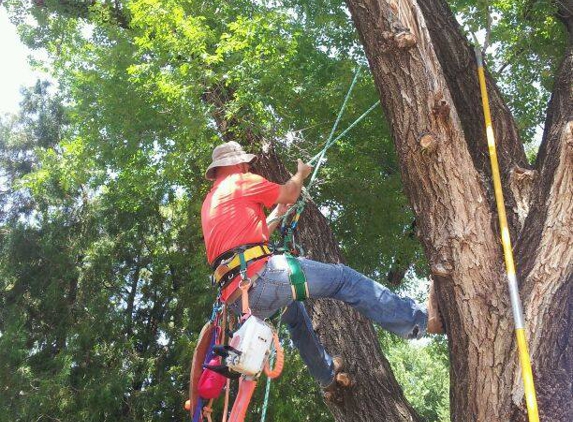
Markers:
point(251, 179)
point(252, 176)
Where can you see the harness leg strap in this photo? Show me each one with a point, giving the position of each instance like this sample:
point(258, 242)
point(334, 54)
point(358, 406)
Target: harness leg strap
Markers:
point(244, 285)
point(298, 283)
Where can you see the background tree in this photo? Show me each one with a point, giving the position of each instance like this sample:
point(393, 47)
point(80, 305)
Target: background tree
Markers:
point(128, 170)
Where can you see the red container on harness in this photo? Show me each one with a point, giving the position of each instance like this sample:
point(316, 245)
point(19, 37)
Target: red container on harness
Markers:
point(211, 383)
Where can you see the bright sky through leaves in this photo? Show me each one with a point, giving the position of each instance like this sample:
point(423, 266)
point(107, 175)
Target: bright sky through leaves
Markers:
point(15, 71)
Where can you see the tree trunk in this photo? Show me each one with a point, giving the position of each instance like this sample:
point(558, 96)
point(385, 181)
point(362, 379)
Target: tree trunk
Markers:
point(424, 71)
point(458, 62)
point(130, 301)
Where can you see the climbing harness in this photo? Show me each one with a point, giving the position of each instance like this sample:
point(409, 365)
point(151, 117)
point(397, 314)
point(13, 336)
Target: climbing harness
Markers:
point(524, 359)
point(245, 356)
point(291, 250)
point(254, 347)
point(227, 266)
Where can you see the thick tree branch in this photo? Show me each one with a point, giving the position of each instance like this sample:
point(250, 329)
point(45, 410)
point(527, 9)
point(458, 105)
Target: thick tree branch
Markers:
point(545, 254)
point(565, 15)
point(457, 58)
point(552, 160)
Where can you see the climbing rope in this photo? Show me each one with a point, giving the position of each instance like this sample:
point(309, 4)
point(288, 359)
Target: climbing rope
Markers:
point(318, 159)
point(330, 143)
point(287, 230)
point(321, 154)
point(269, 380)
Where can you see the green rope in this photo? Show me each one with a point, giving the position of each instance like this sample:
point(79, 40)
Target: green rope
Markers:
point(268, 386)
point(344, 132)
point(318, 158)
point(340, 112)
point(299, 205)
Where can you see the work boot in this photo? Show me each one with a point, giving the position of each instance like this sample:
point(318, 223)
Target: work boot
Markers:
point(435, 322)
point(341, 379)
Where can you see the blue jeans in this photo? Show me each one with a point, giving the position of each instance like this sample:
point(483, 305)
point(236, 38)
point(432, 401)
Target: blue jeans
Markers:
point(272, 291)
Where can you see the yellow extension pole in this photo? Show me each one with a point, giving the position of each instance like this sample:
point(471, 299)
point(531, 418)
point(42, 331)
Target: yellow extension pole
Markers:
point(524, 359)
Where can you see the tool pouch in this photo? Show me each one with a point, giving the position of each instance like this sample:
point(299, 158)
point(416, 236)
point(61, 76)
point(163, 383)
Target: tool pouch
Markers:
point(211, 382)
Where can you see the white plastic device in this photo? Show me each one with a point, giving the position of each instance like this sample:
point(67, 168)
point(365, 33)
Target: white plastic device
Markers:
point(253, 342)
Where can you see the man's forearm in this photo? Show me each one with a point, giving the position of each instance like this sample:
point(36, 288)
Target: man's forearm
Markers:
point(290, 191)
point(273, 219)
point(293, 188)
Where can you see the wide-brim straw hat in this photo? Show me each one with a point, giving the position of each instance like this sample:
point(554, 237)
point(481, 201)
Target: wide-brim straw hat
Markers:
point(228, 154)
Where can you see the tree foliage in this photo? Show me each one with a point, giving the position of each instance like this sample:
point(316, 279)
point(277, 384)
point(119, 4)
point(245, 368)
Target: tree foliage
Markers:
point(526, 46)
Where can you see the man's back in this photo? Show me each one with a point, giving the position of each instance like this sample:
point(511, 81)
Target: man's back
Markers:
point(232, 213)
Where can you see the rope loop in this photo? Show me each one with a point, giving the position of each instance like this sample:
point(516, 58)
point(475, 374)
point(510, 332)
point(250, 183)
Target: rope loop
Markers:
point(280, 358)
point(207, 411)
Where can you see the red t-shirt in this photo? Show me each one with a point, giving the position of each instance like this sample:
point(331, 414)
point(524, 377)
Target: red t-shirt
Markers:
point(232, 215)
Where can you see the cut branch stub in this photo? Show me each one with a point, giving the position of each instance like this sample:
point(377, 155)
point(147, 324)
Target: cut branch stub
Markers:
point(442, 269)
point(521, 183)
point(401, 38)
point(441, 108)
point(405, 39)
point(428, 143)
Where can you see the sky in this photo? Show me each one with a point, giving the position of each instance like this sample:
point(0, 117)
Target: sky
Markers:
point(15, 71)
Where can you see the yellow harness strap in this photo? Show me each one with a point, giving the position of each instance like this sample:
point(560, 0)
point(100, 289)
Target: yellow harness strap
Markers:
point(234, 263)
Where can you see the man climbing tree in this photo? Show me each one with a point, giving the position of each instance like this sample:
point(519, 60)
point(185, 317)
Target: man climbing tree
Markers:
point(233, 224)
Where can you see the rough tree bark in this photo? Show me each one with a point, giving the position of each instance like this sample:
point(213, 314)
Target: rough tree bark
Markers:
point(424, 70)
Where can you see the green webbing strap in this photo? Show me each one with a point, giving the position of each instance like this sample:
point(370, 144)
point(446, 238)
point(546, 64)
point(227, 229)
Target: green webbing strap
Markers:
point(297, 278)
point(243, 265)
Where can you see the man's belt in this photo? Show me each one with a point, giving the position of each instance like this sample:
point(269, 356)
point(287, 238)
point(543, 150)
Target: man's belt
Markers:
point(229, 264)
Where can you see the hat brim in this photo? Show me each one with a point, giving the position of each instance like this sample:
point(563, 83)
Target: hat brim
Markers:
point(231, 161)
